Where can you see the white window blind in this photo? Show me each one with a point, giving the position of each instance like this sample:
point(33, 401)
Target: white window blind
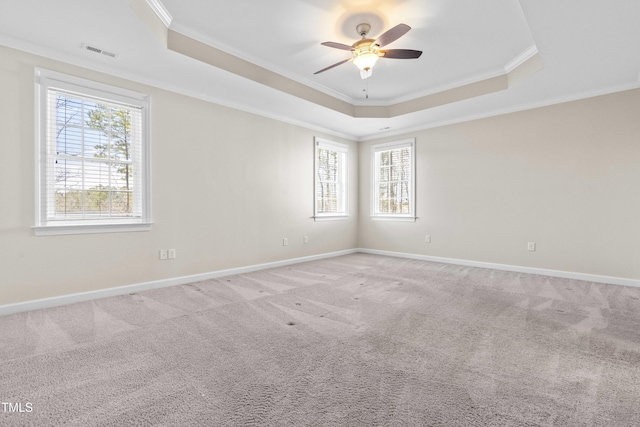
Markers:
point(330, 179)
point(93, 166)
point(393, 193)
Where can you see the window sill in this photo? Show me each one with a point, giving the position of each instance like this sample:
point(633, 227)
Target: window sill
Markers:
point(57, 230)
point(330, 217)
point(393, 218)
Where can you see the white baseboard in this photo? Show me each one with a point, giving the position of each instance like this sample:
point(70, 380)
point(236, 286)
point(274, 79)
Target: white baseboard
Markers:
point(506, 267)
point(139, 287)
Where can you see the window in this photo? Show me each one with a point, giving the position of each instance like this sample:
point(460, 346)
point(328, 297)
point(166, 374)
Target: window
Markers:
point(330, 180)
point(93, 157)
point(393, 194)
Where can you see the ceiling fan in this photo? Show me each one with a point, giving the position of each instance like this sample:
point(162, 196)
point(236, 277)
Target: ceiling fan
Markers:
point(365, 52)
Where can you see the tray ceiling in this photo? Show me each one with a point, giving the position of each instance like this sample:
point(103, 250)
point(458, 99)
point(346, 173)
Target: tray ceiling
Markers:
point(478, 58)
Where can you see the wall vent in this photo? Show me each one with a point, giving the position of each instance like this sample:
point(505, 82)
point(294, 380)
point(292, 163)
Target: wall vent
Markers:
point(98, 50)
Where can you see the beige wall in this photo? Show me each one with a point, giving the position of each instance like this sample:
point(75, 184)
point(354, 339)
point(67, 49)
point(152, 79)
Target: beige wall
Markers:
point(227, 186)
point(566, 177)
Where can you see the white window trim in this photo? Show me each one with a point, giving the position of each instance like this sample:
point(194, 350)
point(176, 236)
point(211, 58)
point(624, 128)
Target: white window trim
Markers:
point(344, 148)
point(411, 216)
point(43, 227)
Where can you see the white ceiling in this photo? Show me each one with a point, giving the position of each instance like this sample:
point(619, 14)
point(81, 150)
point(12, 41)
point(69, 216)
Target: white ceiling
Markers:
point(587, 47)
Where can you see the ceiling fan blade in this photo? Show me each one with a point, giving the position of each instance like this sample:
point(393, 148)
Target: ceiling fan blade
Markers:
point(392, 35)
point(401, 53)
point(334, 65)
point(337, 45)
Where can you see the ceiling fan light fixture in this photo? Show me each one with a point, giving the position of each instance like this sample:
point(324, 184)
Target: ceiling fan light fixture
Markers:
point(365, 60)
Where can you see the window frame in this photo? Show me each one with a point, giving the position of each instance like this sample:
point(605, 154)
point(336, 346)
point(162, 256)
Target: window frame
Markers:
point(44, 226)
point(375, 171)
point(343, 149)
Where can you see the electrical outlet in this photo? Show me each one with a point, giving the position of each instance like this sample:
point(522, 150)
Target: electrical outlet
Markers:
point(285, 241)
point(172, 254)
point(163, 254)
point(531, 246)
point(305, 239)
point(427, 239)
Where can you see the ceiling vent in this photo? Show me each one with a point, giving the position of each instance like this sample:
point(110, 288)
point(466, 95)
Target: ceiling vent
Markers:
point(98, 50)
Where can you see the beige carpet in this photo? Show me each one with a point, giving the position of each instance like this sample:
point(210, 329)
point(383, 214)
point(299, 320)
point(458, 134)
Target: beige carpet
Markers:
point(358, 340)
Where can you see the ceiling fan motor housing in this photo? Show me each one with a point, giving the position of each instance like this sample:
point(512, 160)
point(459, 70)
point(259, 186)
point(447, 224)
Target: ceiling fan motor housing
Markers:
point(363, 29)
point(364, 43)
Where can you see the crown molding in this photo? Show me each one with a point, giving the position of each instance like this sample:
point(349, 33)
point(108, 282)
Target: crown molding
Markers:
point(186, 31)
point(502, 111)
point(520, 59)
point(161, 11)
point(79, 61)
